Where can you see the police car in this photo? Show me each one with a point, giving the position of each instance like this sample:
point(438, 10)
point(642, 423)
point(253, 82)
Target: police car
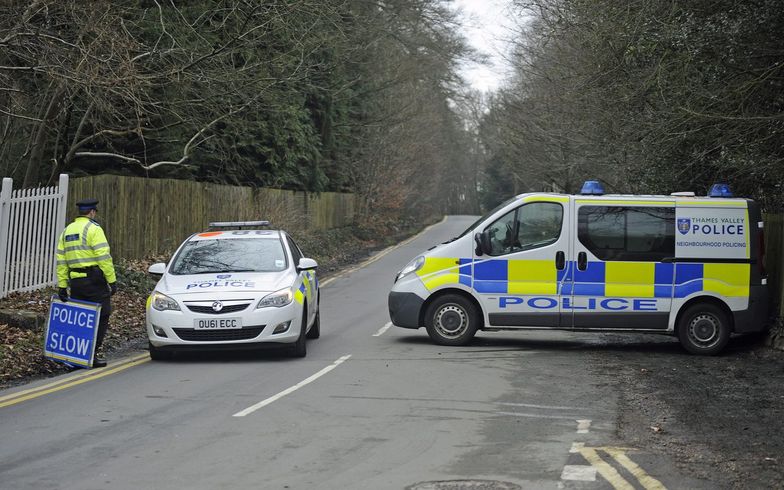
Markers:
point(237, 285)
point(681, 265)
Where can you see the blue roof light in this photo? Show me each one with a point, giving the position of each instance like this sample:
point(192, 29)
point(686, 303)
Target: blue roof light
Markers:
point(720, 190)
point(592, 188)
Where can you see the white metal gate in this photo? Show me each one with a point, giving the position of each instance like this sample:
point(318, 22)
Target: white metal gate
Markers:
point(30, 224)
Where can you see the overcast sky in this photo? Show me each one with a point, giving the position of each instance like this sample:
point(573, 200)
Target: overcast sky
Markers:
point(486, 25)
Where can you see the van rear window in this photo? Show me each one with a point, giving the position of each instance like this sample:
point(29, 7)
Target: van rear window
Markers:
point(625, 233)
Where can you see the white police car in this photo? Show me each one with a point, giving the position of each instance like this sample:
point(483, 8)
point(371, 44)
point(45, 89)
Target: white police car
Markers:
point(237, 285)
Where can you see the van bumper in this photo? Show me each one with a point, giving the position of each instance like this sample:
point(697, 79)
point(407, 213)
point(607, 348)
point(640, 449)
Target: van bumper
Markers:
point(755, 317)
point(404, 309)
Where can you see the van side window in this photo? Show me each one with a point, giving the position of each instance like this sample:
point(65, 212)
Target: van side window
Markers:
point(624, 233)
point(530, 226)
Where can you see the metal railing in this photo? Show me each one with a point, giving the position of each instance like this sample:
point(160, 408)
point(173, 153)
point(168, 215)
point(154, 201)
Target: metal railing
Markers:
point(30, 223)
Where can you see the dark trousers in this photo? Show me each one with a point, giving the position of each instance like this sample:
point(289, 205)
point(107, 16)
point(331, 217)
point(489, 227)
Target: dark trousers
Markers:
point(94, 288)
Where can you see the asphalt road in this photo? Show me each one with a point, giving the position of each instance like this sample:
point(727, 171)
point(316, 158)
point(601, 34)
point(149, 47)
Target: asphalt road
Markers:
point(370, 407)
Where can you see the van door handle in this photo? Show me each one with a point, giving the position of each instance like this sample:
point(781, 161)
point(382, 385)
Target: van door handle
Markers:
point(560, 260)
point(582, 261)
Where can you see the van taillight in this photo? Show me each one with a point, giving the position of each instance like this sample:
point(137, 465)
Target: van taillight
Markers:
point(761, 253)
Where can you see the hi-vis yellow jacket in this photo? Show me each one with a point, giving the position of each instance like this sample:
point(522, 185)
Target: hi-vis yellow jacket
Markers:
point(83, 244)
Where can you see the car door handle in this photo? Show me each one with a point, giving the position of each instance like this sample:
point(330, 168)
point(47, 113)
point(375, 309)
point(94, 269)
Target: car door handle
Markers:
point(582, 261)
point(560, 260)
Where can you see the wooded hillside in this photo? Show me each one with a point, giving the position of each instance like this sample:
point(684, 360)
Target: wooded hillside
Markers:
point(316, 95)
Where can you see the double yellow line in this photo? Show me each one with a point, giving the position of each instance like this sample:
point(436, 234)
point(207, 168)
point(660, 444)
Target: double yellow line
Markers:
point(71, 381)
point(591, 454)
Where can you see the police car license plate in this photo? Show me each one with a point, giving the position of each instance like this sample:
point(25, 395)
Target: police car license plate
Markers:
point(217, 323)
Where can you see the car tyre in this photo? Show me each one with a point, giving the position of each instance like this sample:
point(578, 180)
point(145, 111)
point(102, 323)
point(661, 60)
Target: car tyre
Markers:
point(158, 354)
point(451, 320)
point(300, 348)
point(704, 329)
point(315, 330)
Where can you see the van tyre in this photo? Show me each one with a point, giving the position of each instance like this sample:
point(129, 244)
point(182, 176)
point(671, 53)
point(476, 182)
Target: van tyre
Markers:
point(451, 320)
point(315, 330)
point(704, 329)
point(300, 348)
point(157, 354)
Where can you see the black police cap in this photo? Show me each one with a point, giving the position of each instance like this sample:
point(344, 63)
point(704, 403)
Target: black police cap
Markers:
point(87, 204)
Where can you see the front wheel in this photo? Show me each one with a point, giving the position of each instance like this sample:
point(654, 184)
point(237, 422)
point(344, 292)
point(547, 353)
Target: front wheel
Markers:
point(451, 320)
point(315, 330)
point(300, 347)
point(704, 329)
point(157, 354)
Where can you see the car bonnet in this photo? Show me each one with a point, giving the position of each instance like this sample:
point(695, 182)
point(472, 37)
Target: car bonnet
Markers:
point(225, 283)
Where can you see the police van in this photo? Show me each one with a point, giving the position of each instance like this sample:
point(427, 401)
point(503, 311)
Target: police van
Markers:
point(681, 265)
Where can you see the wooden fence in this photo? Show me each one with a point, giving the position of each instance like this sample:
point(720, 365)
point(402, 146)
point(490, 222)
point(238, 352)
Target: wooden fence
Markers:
point(152, 216)
point(774, 259)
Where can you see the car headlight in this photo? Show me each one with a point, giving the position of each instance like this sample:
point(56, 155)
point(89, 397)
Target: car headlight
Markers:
point(161, 302)
point(412, 266)
point(276, 299)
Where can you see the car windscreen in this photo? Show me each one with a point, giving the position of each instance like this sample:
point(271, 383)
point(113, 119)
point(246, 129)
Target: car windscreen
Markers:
point(234, 255)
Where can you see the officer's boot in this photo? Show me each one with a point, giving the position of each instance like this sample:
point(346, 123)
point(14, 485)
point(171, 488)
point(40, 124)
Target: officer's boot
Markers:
point(98, 359)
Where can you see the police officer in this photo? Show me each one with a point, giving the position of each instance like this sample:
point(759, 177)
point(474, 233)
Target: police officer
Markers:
point(84, 263)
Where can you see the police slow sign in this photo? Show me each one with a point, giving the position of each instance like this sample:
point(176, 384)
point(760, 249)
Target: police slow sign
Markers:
point(70, 332)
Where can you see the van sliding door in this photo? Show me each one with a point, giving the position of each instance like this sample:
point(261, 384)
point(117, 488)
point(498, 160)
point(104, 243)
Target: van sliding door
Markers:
point(623, 274)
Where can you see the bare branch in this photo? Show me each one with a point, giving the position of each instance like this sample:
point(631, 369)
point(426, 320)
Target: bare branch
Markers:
point(20, 116)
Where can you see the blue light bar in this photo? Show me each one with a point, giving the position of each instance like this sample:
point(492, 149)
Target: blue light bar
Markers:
point(720, 190)
point(592, 188)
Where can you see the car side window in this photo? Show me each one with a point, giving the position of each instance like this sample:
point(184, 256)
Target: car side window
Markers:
point(530, 226)
point(296, 253)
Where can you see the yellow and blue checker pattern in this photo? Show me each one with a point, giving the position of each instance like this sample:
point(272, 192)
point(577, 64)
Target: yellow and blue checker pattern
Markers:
point(622, 279)
point(600, 279)
point(443, 271)
point(527, 277)
point(658, 280)
point(305, 290)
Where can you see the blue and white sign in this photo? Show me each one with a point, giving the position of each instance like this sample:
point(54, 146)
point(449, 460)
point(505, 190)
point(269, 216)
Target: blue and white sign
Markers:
point(719, 232)
point(71, 330)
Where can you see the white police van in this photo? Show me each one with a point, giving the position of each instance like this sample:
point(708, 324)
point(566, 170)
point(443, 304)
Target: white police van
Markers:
point(680, 265)
point(238, 285)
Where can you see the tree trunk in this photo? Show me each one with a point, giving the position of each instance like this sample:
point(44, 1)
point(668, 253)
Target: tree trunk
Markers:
point(35, 162)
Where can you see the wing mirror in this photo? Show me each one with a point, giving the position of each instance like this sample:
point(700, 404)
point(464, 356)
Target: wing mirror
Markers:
point(482, 243)
point(157, 269)
point(306, 264)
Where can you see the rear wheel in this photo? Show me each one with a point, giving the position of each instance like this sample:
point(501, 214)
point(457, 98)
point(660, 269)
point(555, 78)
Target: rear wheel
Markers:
point(704, 329)
point(158, 354)
point(451, 320)
point(300, 347)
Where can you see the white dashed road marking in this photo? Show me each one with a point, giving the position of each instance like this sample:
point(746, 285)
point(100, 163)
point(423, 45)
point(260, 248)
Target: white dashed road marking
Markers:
point(545, 407)
point(292, 389)
point(583, 426)
point(382, 330)
point(578, 473)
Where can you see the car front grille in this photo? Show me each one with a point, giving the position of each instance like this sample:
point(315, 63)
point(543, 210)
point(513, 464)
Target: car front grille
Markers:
point(209, 310)
point(221, 335)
